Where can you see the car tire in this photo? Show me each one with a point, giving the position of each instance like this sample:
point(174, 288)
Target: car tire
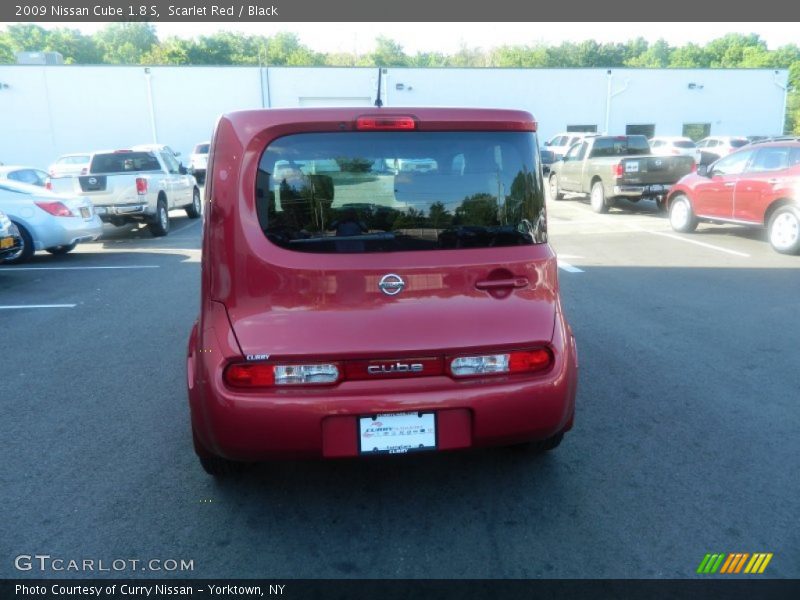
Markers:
point(58, 250)
point(681, 216)
point(195, 209)
point(25, 252)
point(219, 467)
point(159, 226)
point(555, 191)
point(540, 447)
point(597, 198)
point(784, 230)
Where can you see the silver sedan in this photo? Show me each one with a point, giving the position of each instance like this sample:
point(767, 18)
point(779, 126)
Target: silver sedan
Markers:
point(47, 221)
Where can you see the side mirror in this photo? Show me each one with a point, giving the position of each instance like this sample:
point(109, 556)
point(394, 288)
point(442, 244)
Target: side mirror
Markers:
point(702, 170)
point(547, 143)
point(183, 170)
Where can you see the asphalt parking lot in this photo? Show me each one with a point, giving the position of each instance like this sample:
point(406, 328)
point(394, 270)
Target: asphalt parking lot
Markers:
point(686, 437)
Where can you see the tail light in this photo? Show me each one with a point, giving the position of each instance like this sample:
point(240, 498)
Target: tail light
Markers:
point(141, 186)
point(84, 171)
point(385, 123)
point(618, 170)
point(524, 361)
point(57, 209)
point(258, 375)
point(48, 184)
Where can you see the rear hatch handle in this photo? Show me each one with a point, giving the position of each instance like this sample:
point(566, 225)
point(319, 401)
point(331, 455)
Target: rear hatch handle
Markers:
point(496, 284)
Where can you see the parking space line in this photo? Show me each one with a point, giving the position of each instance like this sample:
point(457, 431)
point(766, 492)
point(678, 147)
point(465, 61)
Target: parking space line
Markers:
point(568, 267)
point(79, 268)
point(695, 242)
point(21, 306)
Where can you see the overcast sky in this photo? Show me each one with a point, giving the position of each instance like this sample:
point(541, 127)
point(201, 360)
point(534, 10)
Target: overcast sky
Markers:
point(449, 37)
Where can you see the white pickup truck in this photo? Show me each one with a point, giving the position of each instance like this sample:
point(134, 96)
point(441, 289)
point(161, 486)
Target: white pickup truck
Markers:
point(140, 184)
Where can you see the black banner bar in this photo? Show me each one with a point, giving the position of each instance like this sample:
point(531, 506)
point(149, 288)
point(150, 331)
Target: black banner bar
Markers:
point(389, 589)
point(243, 11)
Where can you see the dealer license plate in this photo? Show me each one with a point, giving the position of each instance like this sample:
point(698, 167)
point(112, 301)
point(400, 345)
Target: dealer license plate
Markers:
point(397, 433)
point(6, 243)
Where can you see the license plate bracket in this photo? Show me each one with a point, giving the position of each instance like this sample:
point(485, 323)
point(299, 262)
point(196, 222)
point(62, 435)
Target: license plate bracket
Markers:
point(397, 433)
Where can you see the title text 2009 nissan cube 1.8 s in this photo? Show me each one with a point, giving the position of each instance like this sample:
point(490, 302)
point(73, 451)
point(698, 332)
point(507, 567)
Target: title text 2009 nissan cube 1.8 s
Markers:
point(376, 282)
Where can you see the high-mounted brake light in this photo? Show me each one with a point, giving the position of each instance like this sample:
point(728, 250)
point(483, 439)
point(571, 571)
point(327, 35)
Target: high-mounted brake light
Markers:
point(525, 361)
point(57, 209)
point(258, 375)
point(122, 151)
point(618, 171)
point(141, 186)
point(387, 123)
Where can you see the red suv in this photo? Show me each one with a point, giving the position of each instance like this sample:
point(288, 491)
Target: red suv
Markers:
point(757, 186)
point(354, 303)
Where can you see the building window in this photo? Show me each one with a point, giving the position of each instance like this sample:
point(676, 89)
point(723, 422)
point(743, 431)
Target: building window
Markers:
point(647, 131)
point(582, 128)
point(696, 131)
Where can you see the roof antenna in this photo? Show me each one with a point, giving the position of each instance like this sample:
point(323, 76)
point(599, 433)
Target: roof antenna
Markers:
point(378, 101)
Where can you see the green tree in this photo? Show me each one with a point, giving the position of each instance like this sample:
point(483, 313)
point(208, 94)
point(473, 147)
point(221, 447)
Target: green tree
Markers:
point(126, 43)
point(388, 53)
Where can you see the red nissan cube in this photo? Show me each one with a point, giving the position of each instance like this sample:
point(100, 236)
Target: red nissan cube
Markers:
point(376, 281)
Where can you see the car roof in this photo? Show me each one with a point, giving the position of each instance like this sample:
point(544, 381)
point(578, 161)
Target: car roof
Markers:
point(247, 123)
point(672, 138)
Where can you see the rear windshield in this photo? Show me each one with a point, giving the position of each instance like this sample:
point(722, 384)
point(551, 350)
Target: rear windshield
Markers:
point(738, 143)
point(201, 149)
point(631, 145)
point(684, 144)
point(120, 162)
point(354, 192)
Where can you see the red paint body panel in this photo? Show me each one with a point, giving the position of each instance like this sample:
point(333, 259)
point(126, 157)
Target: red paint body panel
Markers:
point(261, 299)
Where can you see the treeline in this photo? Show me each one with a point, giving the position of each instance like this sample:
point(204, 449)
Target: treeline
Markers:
point(137, 43)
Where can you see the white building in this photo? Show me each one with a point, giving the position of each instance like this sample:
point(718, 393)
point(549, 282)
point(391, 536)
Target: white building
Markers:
point(50, 110)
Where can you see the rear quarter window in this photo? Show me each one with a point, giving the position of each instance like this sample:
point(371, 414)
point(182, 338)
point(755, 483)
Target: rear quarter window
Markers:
point(355, 192)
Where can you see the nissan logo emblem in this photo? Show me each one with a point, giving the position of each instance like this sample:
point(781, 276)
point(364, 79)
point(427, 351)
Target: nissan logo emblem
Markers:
point(391, 284)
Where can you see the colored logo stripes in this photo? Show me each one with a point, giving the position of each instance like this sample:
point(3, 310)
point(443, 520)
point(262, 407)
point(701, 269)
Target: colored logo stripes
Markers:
point(733, 563)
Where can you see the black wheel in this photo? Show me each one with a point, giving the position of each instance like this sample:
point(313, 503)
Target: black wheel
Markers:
point(555, 191)
point(681, 216)
point(61, 249)
point(597, 198)
point(221, 467)
point(26, 250)
point(784, 230)
point(541, 446)
point(159, 226)
point(194, 210)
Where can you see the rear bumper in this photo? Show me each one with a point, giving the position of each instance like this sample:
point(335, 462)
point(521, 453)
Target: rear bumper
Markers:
point(316, 423)
point(108, 212)
point(68, 231)
point(638, 191)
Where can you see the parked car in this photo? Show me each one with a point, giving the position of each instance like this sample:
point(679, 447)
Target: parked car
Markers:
point(23, 174)
point(136, 185)
point(675, 146)
point(198, 161)
point(69, 165)
point(47, 221)
point(755, 186)
point(714, 147)
point(364, 312)
point(561, 142)
point(9, 237)
point(547, 158)
point(610, 167)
